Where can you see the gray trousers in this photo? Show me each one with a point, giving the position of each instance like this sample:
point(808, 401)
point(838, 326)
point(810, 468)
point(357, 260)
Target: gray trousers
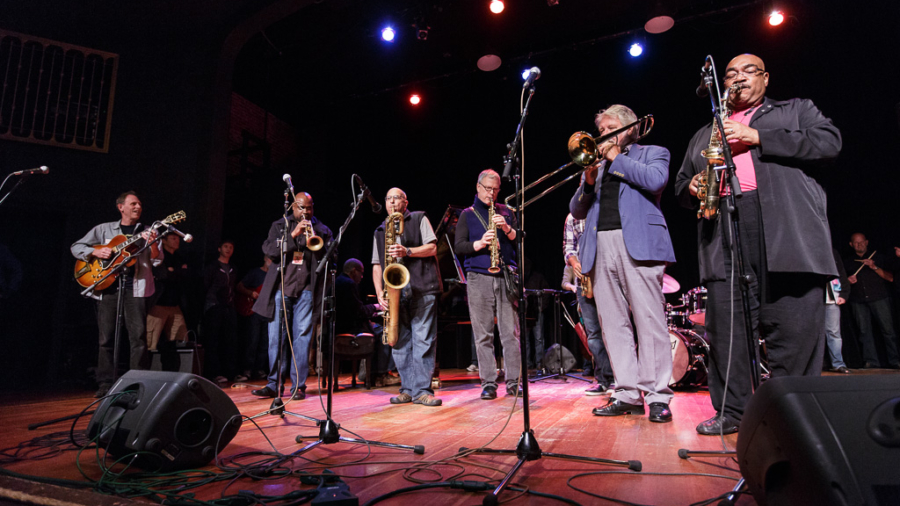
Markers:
point(621, 283)
point(487, 300)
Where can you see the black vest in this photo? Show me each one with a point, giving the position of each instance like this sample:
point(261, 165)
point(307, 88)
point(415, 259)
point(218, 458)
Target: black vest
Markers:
point(424, 275)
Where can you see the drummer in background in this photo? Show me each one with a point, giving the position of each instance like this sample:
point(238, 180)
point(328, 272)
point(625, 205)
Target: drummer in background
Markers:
point(626, 246)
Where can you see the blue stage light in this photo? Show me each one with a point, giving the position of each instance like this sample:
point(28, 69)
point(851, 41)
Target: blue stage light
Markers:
point(388, 34)
point(635, 50)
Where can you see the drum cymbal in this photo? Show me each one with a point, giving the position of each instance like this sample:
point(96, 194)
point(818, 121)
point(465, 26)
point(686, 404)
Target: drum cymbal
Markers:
point(669, 284)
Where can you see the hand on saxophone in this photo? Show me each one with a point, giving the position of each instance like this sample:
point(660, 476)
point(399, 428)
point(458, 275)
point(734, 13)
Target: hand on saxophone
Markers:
point(397, 250)
point(739, 132)
point(383, 302)
point(500, 221)
point(485, 240)
point(694, 186)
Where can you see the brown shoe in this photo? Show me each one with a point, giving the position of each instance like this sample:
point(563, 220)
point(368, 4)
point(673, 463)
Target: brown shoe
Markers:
point(401, 399)
point(427, 400)
point(387, 380)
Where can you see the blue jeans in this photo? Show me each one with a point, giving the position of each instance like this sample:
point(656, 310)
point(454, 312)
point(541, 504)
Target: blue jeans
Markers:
point(879, 310)
point(415, 348)
point(301, 308)
point(833, 335)
point(602, 368)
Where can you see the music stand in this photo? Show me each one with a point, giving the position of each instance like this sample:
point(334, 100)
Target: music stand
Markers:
point(557, 339)
point(528, 448)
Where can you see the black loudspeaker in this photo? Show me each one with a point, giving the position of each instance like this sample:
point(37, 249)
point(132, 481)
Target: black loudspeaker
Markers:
point(176, 420)
point(552, 359)
point(822, 441)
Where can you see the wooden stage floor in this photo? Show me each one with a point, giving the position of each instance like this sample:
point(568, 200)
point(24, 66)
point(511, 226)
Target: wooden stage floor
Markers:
point(560, 417)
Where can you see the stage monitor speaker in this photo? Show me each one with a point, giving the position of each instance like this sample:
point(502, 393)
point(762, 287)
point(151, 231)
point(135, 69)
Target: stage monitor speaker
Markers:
point(823, 441)
point(552, 359)
point(177, 359)
point(175, 420)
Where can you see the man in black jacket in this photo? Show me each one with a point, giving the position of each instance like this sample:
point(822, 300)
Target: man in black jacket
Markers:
point(302, 290)
point(784, 236)
point(416, 249)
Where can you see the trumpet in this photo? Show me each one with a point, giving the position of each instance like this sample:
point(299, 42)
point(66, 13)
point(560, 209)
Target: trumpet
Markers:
point(313, 242)
point(583, 151)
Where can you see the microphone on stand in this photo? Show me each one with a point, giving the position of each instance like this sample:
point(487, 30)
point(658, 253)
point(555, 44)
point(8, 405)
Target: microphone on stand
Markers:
point(43, 169)
point(534, 74)
point(186, 237)
point(376, 206)
point(703, 89)
point(287, 179)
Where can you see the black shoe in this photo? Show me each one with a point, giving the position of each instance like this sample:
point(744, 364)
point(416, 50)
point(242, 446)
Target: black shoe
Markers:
point(489, 393)
point(717, 425)
point(660, 412)
point(841, 370)
point(587, 373)
point(870, 365)
point(512, 390)
point(616, 407)
point(598, 389)
point(299, 395)
point(263, 392)
point(101, 392)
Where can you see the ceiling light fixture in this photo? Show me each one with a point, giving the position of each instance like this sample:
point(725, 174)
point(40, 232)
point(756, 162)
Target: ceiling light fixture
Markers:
point(660, 19)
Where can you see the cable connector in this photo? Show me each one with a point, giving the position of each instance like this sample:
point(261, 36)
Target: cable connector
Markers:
point(335, 495)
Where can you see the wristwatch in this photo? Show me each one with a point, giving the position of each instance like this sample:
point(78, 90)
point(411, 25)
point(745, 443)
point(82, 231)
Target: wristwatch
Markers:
point(408, 252)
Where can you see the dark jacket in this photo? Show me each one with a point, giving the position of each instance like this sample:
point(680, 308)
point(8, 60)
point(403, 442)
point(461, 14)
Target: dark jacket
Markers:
point(424, 274)
point(469, 229)
point(795, 138)
point(265, 304)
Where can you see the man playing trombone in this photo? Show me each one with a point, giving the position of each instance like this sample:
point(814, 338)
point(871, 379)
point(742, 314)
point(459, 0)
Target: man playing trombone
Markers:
point(625, 246)
point(416, 311)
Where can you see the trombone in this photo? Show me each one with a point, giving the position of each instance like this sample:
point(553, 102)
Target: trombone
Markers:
point(583, 151)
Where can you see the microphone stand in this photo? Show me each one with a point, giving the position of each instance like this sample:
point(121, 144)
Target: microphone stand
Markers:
point(277, 406)
point(329, 430)
point(557, 338)
point(729, 174)
point(528, 448)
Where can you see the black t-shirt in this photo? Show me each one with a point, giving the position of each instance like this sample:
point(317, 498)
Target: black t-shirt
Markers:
point(609, 218)
point(128, 231)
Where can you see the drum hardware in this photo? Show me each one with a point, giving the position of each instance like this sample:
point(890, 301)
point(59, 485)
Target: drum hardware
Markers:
point(689, 355)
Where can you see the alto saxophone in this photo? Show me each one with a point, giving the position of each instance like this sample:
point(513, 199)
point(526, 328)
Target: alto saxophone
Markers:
point(495, 242)
point(708, 186)
point(395, 276)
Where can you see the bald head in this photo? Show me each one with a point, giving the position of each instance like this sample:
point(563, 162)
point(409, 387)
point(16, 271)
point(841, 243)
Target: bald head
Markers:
point(859, 243)
point(748, 71)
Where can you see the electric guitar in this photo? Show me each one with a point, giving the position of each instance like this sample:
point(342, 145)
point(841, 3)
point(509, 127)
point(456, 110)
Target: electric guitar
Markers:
point(88, 272)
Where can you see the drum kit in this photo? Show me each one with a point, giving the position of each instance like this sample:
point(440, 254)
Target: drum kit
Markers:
point(685, 322)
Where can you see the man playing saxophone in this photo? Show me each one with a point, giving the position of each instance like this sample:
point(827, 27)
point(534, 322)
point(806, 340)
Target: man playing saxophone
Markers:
point(415, 310)
point(625, 247)
point(785, 239)
point(486, 290)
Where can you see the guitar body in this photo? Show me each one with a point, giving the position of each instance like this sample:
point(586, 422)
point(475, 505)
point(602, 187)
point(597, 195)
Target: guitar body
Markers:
point(87, 273)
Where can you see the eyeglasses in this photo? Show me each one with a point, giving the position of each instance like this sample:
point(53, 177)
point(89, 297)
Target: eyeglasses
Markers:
point(748, 71)
point(390, 198)
point(302, 208)
point(490, 189)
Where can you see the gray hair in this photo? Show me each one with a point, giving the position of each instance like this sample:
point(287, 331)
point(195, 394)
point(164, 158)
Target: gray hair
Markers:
point(623, 115)
point(488, 174)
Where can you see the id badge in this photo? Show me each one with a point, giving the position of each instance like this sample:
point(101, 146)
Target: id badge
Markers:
point(298, 258)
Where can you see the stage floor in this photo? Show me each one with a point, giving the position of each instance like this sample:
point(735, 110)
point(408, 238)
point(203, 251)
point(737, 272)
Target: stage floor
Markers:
point(560, 417)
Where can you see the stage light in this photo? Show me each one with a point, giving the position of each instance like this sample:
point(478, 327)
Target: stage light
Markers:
point(415, 99)
point(635, 50)
point(388, 34)
point(776, 18)
point(526, 73)
point(659, 20)
point(497, 6)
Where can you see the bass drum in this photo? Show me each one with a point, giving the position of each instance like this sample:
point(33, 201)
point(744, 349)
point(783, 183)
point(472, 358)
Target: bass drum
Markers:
point(689, 356)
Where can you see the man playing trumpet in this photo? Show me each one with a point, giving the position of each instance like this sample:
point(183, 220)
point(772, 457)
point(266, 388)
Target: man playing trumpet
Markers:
point(625, 247)
point(416, 312)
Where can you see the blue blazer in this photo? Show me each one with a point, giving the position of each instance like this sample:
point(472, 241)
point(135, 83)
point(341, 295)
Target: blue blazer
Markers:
point(644, 172)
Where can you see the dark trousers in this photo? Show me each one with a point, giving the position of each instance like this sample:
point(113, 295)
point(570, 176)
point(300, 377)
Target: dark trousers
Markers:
point(787, 311)
point(879, 311)
point(135, 321)
point(220, 340)
point(255, 331)
point(602, 368)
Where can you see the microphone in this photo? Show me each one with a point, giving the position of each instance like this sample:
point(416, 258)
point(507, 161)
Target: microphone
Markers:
point(703, 89)
point(186, 237)
point(376, 207)
point(534, 74)
point(43, 169)
point(287, 179)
